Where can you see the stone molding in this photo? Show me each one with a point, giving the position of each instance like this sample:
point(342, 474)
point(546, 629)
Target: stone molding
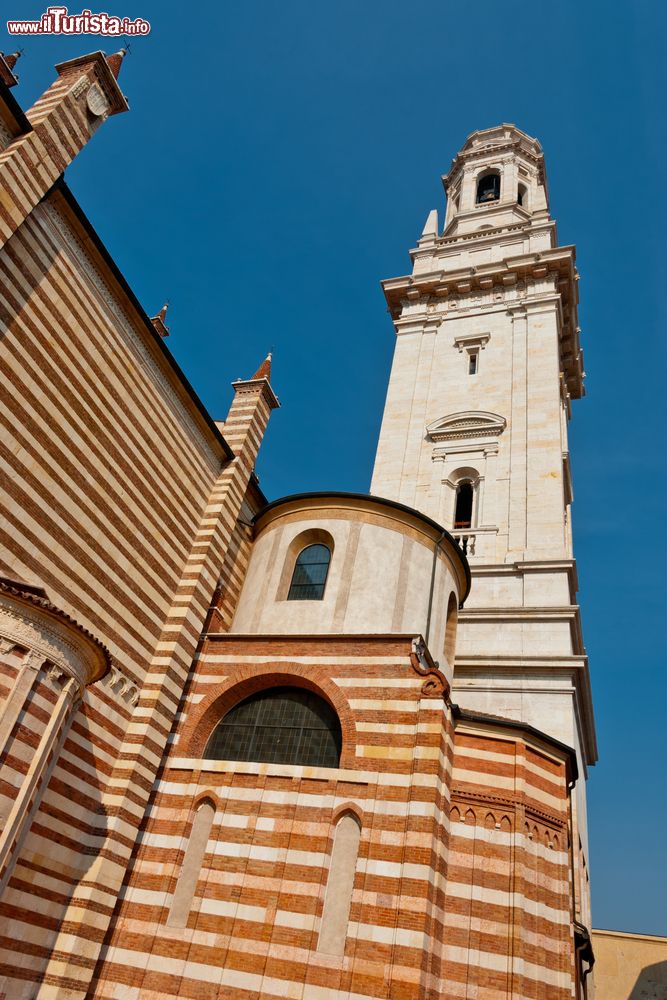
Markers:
point(470, 341)
point(467, 424)
point(121, 686)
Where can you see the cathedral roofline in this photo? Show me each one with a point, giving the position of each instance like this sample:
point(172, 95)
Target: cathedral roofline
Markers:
point(437, 532)
point(61, 188)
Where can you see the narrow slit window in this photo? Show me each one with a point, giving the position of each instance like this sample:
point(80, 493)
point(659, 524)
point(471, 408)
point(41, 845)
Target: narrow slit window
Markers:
point(473, 361)
point(310, 574)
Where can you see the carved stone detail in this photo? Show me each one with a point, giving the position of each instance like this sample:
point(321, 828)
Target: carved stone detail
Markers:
point(435, 685)
point(48, 638)
point(120, 685)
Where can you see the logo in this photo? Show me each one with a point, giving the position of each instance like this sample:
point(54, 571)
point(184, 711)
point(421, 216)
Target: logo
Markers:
point(58, 21)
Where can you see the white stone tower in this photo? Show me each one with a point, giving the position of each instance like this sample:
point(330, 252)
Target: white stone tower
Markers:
point(474, 434)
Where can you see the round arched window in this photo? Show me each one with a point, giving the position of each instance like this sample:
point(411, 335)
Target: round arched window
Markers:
point(488, 188)
point(281, 726)
point(310, 574)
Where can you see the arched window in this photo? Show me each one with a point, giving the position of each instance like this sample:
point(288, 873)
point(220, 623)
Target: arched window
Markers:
point(282, 726)
point(463, 510)
point(310, 574)
point(488, 188)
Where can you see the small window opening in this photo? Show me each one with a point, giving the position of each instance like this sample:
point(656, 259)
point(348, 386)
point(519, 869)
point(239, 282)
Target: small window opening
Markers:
point(472, 363)
point(463, 512)
point(521, 194)
point(310, 574)
point(488, 188)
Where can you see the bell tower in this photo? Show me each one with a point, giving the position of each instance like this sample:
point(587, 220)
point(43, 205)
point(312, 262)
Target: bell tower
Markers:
point(475, 434)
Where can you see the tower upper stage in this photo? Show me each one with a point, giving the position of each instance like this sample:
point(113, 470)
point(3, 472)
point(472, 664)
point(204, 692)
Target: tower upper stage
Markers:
point(499, 246)
point(497, 179)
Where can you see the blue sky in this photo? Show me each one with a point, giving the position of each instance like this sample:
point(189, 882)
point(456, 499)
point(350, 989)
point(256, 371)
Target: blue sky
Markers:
point(281, 158)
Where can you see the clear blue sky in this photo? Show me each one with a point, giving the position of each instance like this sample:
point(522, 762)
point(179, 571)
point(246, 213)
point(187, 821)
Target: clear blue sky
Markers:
point(279, 160)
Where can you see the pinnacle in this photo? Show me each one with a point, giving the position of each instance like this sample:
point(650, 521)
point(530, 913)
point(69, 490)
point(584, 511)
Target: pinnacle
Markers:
point(158, 321)
point(114, 61)
point(264, 370)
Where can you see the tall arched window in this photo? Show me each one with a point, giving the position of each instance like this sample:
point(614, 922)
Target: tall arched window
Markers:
point(282, 726)
point(488, 188)
point(310, 574)
point(463, 510)
point(450, 629)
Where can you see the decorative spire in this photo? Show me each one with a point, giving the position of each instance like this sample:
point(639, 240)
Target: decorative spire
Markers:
point(159, 321)
point(264, 370)
point(115, 61)
point(262, 375)
point(7, 64)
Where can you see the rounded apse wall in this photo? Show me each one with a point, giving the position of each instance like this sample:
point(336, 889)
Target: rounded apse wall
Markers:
point(391, 570)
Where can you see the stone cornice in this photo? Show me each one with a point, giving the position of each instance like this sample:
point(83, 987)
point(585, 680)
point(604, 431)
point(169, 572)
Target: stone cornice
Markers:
point(257, 385)
point(567, 613)
point(437, 293)
point(482, 665)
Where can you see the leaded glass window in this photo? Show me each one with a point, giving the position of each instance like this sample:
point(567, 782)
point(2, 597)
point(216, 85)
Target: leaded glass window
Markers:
point(282, 726)
point(310, 574)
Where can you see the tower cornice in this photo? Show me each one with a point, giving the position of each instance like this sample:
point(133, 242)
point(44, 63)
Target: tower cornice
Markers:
point(432, 289)
point(499, 142)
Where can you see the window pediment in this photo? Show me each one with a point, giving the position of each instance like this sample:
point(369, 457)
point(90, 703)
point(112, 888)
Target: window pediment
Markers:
point(469, 424)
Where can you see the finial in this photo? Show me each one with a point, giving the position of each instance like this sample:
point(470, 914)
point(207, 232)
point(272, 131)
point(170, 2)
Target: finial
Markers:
point(264, 370)
point(159, 321)
point(13, 58)
point(114, 61)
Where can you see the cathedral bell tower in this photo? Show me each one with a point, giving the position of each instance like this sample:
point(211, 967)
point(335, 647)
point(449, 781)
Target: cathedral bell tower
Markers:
point(475, 434)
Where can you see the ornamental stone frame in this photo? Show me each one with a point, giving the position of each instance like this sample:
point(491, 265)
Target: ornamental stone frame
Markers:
point(40, 645)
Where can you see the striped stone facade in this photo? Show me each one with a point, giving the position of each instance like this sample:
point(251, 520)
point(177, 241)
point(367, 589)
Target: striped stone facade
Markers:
point(143, 595)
